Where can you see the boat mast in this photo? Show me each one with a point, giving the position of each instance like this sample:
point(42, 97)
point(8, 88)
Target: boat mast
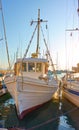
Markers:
point(78, 8)
point(38, 30)
point(74, 29)
point(5, 34)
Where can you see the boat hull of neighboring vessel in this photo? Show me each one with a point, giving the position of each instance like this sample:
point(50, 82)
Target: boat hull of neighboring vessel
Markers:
point(71, 92)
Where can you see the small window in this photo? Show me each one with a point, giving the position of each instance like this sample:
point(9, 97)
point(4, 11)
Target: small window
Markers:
point(31, 67)
point(23, 66)
point(38, 67)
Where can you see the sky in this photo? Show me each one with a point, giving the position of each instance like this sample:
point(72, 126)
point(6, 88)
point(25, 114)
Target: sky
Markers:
point(60, 14)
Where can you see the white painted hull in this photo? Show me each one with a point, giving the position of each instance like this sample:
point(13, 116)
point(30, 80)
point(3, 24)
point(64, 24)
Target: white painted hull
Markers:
point(30, 93)
point(71, 92)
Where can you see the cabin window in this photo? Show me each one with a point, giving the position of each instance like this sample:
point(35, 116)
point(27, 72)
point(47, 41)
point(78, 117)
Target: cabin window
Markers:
point(23, 66)
point(31, 67)
point(38, 67)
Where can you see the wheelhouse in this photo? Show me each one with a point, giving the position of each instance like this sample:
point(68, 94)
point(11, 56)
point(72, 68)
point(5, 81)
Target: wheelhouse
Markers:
point(31, 67)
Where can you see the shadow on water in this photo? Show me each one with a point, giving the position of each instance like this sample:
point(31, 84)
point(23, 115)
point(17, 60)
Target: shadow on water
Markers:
point(57, 114)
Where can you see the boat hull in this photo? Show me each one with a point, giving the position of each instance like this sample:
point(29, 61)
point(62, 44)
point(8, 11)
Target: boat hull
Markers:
point(71, 92)
point(29, 93)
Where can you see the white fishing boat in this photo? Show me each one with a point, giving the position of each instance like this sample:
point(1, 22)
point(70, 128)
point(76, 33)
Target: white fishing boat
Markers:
point(71, 82)
point(30, 85)
point(71, 89)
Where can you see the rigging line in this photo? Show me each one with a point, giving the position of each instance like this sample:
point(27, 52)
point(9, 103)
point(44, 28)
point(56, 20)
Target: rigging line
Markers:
point(29, 43)
point(71, 51)
point(26, 53)
point(73, 16)
point(65, 51)
point(66, 24)
point(1, 33)
point(48, 34)
point(13, 61)
point(78, 18)
point(49, 54)
point(5, 35)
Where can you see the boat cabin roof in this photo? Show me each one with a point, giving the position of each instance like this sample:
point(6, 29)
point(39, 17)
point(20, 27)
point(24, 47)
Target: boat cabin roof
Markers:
point(32, 60)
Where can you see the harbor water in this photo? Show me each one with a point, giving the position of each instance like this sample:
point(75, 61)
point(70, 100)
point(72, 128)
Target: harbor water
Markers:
point(57, 114)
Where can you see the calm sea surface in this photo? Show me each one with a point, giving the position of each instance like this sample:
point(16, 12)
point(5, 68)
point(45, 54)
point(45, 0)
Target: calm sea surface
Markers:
point(58, 114)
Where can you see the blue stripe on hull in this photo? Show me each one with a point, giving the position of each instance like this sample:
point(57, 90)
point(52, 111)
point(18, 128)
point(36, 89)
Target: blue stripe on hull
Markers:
point(72, 91)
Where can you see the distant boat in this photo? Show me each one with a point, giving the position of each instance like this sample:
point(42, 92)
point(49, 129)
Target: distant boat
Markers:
point(3, 88)
point(31, 86)
point(71, 82)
